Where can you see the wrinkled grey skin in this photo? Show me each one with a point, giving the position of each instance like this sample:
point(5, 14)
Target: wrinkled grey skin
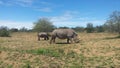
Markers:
point(43, 35)
point(68, 34)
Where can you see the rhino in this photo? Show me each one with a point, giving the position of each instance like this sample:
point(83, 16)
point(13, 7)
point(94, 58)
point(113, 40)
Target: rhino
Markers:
point(43, 35)
point(68, 34)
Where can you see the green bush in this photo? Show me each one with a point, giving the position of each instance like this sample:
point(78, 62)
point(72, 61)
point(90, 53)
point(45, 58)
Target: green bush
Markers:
point(43, 25)
point(4, 32)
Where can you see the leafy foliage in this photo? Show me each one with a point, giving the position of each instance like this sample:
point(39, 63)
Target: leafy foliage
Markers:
point(14, 30)
point(89, 28)
point(113, 23)
point(99, 29)
point(43, 25)
point(79, 29)
point(4, 32)
point(23, 29)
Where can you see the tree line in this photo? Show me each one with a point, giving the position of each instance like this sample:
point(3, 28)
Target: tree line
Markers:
point(111, 25)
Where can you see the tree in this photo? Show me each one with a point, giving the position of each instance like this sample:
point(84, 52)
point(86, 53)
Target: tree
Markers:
point(89, 28)
point(4, 32)
point(64, 27)
point(14, 30)
point(23, 29)
point(99, 28)
point(79, 29)
point(113, 23)
point(43, 25)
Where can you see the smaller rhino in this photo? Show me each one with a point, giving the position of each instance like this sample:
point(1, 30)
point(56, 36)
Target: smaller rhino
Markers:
point(43, 35)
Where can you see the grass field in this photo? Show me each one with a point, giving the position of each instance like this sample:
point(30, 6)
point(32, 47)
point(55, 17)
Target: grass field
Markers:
point(96, 50)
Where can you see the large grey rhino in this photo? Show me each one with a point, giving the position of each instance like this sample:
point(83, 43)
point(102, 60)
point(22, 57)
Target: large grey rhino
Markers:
point(43, 35)
point(68, 34)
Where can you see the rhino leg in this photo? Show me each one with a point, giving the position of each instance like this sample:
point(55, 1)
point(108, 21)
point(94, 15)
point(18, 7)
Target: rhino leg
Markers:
point(52, 39)
point(38, 38)
point(69, 39)
point(47, 38)
point(44, 38)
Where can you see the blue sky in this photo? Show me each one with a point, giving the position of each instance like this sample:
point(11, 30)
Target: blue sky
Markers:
point(70, 13)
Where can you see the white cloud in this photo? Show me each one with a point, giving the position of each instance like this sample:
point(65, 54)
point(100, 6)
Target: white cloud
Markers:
point(71, 19)
point(64, 17)
point(58, 23)
point(96, 22)
point(45, 9)
point(70, 23)
point(45, 3)
point(23, 3)
point(43, 6)
point(68, 18)
point(14, 24)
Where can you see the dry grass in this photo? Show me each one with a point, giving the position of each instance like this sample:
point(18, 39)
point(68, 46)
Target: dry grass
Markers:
point(96, 50)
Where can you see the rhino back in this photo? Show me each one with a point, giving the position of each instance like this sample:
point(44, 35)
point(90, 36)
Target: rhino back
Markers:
point(42, 33)
point(63, 33)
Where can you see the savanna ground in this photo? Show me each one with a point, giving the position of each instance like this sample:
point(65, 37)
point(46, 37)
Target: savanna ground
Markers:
point(96, 50)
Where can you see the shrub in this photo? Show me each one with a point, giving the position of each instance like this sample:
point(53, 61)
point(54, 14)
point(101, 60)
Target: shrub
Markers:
point(14, 30)
point(4, 32)
point(43, 25)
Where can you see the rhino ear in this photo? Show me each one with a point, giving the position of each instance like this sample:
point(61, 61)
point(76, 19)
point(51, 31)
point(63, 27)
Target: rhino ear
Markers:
point(76, 34)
